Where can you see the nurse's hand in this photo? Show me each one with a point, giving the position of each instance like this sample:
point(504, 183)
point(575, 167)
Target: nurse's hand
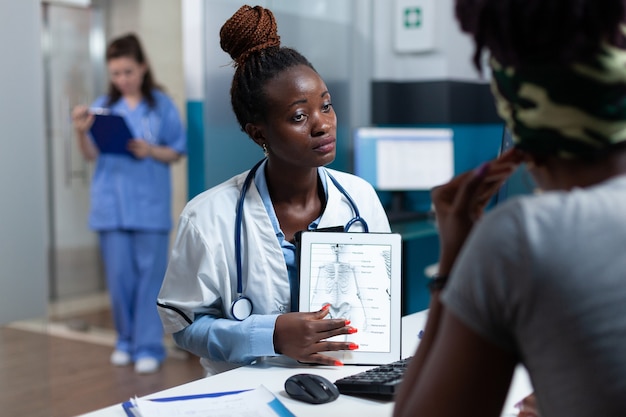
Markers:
point(81, 119)
point(301, 336)
point(139, 148)
point(461, 202)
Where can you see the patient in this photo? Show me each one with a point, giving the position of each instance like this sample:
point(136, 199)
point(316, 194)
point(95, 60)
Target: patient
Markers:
point(539, 280)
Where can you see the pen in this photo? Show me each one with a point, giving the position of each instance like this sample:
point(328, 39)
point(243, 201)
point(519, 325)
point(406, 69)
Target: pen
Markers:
point(99, 110)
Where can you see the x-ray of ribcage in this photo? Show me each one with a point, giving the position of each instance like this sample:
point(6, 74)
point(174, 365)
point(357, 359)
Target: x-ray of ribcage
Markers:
point(355, 281)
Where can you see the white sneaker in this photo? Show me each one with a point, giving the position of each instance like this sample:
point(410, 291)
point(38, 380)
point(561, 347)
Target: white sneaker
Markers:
point(146, 365)
point(120, 358)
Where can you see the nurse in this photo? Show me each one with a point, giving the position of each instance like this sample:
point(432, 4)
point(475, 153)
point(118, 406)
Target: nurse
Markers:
point(131, 200)
point(284, 106)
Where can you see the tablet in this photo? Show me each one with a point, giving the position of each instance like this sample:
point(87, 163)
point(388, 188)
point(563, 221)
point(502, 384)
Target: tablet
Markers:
point(111, 134)
point(359, 275)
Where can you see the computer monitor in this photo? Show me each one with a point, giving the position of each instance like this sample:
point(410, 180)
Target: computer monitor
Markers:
point(403, 159)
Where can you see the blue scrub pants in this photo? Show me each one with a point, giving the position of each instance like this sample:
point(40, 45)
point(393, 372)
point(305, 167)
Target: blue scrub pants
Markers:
point(135, 263)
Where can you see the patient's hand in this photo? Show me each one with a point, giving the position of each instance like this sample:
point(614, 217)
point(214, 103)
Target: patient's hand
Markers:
point(528, 407)
point(460, 203)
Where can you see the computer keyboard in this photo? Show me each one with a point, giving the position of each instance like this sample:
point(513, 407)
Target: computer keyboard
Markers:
point(381, 381)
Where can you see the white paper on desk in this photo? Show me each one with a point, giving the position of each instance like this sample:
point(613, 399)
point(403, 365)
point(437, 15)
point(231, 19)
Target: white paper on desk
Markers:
point(259, 402)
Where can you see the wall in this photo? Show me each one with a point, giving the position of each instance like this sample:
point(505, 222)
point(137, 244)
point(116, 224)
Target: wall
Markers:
point(23, 224)
point(449, 59)
point(438, 87)
point(328, 32)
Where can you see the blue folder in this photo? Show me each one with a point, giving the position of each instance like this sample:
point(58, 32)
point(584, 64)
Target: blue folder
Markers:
point(111, 134)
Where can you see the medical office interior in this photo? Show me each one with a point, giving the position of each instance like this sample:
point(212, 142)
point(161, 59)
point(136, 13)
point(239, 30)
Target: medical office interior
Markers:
point(388, 63)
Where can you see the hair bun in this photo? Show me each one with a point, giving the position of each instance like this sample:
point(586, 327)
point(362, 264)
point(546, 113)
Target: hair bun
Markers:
point(249, 30)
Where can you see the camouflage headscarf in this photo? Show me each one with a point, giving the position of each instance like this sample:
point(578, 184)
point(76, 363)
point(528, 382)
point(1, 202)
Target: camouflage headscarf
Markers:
point(571, 112)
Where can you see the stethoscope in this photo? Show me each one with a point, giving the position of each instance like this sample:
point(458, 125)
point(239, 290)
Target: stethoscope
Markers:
point(241, 307)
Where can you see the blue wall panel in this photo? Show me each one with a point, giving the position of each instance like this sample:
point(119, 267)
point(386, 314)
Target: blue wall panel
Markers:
point(418, 254)
point(195, 149)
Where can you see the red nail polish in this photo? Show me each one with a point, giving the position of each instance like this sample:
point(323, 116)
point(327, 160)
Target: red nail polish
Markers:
point(325, 306)
point(352, 330)
point(338, 363)
point(348, 322)
point(353, 346)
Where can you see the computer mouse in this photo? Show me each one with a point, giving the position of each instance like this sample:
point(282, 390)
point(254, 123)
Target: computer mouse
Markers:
point(311, 388)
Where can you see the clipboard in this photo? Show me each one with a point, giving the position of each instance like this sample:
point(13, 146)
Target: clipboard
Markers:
point(111, 134)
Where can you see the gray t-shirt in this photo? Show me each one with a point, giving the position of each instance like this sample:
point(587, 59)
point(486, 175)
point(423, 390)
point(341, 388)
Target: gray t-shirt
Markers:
point(545, 277)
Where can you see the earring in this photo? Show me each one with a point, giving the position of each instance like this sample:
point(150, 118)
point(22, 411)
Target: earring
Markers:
point(265, 151)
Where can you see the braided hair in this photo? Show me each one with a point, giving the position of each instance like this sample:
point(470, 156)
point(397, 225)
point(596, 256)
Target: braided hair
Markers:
point(251, 39)
point(541, 31)
point(128, 46)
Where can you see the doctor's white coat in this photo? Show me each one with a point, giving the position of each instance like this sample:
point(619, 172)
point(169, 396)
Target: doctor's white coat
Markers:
point(202, 277)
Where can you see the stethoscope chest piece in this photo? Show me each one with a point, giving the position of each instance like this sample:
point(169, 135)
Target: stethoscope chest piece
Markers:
point(241, 308)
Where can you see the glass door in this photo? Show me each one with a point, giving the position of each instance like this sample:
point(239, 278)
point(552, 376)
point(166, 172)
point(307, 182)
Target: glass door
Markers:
point(73, 49)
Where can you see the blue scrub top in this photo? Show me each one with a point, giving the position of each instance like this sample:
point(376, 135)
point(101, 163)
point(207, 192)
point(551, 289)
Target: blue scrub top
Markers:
point(132, 194)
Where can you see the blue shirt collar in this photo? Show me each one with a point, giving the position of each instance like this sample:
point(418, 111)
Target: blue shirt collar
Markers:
point(261, 184)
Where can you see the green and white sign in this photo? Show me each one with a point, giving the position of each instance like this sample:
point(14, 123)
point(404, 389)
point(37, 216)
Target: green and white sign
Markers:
point(414, 25)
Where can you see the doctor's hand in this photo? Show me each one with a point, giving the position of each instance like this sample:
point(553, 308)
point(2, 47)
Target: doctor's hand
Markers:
point(301, 336)
point(460, 203)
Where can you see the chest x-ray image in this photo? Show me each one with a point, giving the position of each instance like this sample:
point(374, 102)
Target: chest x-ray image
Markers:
point(355, 281)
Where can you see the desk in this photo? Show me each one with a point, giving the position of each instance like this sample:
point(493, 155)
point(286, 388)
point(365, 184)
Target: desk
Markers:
point(272, 374)
point(415, 229)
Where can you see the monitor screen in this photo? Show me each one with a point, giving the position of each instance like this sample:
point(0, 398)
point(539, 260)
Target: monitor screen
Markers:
point(403, 159)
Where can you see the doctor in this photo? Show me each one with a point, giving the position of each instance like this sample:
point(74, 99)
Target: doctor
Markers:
point(249, 221)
